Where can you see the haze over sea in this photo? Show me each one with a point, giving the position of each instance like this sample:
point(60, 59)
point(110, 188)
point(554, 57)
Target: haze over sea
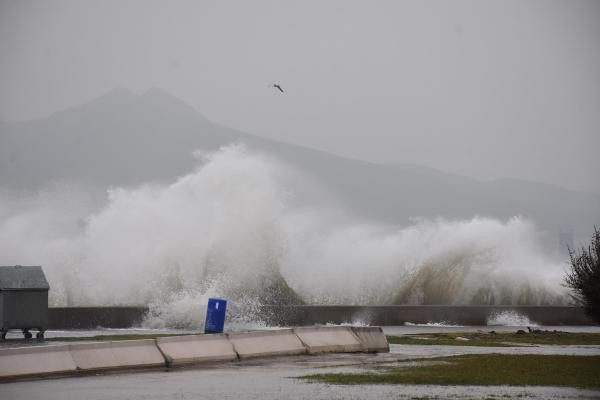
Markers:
point(184, 209)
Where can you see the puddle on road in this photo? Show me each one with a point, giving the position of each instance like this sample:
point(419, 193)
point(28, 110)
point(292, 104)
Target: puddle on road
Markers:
point(413, 350)
point(264, 382)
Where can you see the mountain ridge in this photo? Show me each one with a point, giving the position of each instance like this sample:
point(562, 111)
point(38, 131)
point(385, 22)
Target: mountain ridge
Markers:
point(123, 138)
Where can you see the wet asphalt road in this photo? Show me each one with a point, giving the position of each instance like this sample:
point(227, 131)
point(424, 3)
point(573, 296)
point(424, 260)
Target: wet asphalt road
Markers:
point(276, 378)
point(265, 381)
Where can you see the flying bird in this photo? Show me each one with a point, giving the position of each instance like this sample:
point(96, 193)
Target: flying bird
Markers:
point(275, 85)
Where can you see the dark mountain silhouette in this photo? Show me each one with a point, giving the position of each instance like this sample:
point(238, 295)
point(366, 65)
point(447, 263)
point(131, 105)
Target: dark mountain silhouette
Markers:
point(123, 139)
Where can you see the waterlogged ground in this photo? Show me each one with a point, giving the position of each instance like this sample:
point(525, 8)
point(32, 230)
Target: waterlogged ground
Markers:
point(441, 328)
point(499, 339)
point(262, 380)
point(479, 369)
point(388, 330)
point(53, 337)
point(278, 378)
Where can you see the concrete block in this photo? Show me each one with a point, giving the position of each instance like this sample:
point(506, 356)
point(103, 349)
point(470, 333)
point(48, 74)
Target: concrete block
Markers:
point(36, 360)
point(191, 349)
point(266, 343)
point(119, 354)
point(372, 338)
point(329, 339)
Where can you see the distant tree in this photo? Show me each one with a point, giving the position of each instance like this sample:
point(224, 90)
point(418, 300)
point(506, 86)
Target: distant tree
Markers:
point(584, 276)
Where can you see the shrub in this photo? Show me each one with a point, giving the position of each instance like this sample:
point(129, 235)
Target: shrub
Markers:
point(584, 276)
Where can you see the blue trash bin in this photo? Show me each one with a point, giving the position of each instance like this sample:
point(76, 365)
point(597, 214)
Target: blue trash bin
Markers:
point(215, 315)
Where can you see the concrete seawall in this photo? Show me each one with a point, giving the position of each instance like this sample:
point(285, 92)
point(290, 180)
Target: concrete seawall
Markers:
point(125, 317)
point(422, 314)
point(93, 317)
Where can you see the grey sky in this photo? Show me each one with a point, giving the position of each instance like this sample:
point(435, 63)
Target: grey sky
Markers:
point(485, 89)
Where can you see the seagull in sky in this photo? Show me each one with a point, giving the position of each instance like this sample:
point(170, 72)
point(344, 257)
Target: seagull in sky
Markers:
point(275, 85)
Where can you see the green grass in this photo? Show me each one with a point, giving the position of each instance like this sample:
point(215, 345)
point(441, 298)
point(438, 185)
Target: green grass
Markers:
point(483, 369)
point(498, 339)
point(447, 341)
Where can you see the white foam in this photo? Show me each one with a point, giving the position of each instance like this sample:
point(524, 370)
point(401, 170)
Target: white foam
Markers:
point(441, 324)
point(230, 228)
point(510, 318)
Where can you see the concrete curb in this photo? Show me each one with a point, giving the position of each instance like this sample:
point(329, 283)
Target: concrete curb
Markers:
point(39, 360)
point(329, 339)
point(24, 362)
point(372, 338)
point(180, 350)
point(282, 342)
point(116, 355)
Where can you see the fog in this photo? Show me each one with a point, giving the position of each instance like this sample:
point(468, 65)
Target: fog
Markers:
point(420, 152)
point(483, 89)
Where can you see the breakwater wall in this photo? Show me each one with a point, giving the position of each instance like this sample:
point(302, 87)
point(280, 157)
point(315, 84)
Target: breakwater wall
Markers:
point(306, 315)
point(93, 317)
point(420, 314)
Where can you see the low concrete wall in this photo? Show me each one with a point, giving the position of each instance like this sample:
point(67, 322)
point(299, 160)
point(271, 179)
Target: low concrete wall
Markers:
point(171, 351)
point(93, 317)
point(180, 350)
point(372, 338)
point(35, 361)
point(125, 317)
point(329, 339)
point(419, 314)
point(266, 343)
point(116, 355)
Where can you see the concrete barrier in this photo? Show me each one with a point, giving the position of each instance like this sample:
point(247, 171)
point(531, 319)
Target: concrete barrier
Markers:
point(267, 343)
point(115, 355)
point(93, 317)
point(372, 338)
point(305, 315)
point(395, 315)
point(38, 360)
point(179, 350)
point(329, 339)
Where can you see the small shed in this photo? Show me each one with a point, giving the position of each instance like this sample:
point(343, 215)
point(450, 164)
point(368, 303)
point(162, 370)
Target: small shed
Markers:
point(23, 300)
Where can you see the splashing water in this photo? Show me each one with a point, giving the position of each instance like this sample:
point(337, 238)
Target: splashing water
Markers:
point(510, 318)
point(229, 229)
point(442, 324)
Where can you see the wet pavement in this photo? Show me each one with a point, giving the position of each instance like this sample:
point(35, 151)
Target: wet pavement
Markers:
point(260, 380)
point(275, 378)
point(417, 351)
point(15, 336)
point(433, 328)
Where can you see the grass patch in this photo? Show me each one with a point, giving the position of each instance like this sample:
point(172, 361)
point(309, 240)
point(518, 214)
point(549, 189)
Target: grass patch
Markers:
point(499, 339)
point(446, 341)
point(483, 369)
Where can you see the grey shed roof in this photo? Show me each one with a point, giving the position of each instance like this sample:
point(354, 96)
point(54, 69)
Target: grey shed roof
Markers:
point(20, 278)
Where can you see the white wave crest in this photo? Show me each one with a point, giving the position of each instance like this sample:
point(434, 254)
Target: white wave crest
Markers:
point(229, 229)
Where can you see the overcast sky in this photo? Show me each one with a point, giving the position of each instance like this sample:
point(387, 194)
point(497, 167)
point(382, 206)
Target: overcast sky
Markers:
point(481, 88)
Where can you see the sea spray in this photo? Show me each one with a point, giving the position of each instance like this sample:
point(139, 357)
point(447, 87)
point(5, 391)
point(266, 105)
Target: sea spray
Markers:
point(479, 261)
point(232, 228)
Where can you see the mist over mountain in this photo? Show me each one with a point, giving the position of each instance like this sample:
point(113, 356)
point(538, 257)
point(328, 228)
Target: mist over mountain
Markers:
point(125, 139)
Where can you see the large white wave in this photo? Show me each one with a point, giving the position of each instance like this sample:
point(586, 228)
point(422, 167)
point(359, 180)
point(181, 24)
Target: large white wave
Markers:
point(229, 228)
